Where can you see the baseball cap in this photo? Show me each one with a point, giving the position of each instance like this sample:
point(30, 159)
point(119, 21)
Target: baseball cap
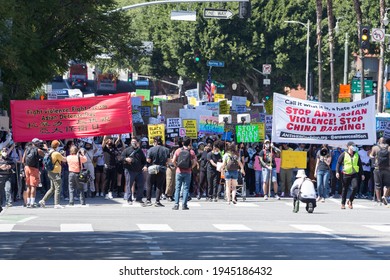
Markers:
point(350, 143)
point(36, 141)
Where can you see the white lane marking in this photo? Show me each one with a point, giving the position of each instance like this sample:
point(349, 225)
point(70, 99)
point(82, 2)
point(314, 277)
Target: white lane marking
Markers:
point(75, 227)
point(318, 229)
point(154, 227)
point(313, 228)
point(27, 219)
point(231, 227)
point(246, 204)
point(193, 204)
point(381, 228)
point(6, 227)
point(77, 206)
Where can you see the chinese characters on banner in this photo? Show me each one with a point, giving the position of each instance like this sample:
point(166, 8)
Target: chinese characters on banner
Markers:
point(71, 118)
point(302, 121)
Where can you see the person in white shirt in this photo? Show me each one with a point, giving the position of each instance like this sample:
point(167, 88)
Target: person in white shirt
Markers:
point(303, 190)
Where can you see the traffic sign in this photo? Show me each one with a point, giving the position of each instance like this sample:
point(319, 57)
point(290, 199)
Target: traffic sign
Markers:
point(217, 13)
point(266, 82)
point(356, 86)
point(215, 63)
point(378, 34)
point(142, 82)
point(267, 69)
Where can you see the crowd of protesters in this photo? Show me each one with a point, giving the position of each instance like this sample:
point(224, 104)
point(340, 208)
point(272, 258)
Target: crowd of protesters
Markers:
point(137, 169)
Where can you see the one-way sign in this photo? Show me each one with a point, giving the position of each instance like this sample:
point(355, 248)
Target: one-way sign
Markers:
point(217, 13)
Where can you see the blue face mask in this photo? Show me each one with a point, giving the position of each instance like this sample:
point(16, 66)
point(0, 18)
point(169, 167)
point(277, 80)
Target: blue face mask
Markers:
point(355, 149)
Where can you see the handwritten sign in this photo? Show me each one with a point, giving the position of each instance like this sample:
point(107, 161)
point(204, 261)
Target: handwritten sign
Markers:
point(214, 107)
point(173, 123)
point(239, 104)
point(224, 108)
point(191, 128)
point(247, 133)
point(71, 118)
point(155, 130)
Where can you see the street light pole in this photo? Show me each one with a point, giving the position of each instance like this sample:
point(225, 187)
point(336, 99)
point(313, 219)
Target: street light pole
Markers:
point(337, 28)
point(307, 26)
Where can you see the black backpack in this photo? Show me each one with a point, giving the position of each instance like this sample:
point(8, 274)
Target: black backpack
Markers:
point(32, 158)
point(48, 162)
point(184, 159)
point(383, 157)
point(232, 163)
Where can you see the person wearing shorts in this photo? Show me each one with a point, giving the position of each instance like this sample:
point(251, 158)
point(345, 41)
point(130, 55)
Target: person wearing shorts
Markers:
point(267, 159)
point(32, 170)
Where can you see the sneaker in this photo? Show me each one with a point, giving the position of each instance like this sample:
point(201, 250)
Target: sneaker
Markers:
point(34, 205)
point(107, 196)
point(101, 194)
point(215, 199)
point(110, 195)
point(126, 196)
point(28, 205)
point(265, 197)
point(185, 207)
point(234, 201)
point(163, 196)
point(176, 207)
point(57, 206)
point(282, 194)
point(158, 204)
point(42, 203)
point(147, 203)
point(277, 197)
point(384, 200)
point(310, 207)
point(170, 199)
point(323, 200)
point(318, 199)
point(8, 204)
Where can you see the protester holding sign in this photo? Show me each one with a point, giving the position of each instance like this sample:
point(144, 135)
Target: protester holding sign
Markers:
point(267, 159)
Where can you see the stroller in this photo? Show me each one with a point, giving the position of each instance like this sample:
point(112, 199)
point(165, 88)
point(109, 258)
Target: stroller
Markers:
point(303, 190)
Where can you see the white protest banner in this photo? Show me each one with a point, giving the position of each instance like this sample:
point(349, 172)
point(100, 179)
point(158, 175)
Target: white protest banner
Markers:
point(191, 114)
point(301, 121)
point(174, 123)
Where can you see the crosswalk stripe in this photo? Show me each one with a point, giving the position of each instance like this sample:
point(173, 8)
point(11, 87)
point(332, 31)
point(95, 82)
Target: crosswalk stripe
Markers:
point(154, 227)
point(6, 227)
point(381, 228)
point(75, 227)
point(312, 228)
point(246, 204)
point(231, 227)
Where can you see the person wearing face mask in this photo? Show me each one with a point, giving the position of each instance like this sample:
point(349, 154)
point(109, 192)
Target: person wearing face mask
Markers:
point(7, 168)
point(213, 175)
point(134, 163)
point(267, 159)
point(352, 172)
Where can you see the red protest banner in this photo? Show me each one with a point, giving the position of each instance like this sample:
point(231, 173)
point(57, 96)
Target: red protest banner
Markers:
point(70, 118)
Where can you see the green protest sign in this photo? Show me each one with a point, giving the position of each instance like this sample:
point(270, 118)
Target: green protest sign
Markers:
point(247, 133)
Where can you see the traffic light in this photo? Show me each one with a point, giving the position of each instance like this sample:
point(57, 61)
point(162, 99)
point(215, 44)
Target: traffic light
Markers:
point(130, 77)
point(197, 56)
point(244, 9)
point(364, 37)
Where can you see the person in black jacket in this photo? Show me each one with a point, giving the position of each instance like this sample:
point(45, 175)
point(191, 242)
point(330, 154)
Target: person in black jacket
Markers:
point(7, 168)
point(134, 163)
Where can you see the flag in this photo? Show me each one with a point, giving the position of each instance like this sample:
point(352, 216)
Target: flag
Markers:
point(207, 88)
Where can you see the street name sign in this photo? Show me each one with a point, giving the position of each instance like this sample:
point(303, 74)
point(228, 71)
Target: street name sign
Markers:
point(216, 63)
point(217, 13)
point(183, 15)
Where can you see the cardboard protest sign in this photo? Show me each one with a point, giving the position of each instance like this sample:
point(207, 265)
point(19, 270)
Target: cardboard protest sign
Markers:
point(210, 125)
point(293, 159)
point(247, 133)
point(218, 96)
point(4, 123)
point(71, 118)
point(239, 104)
point(224, 107)
point(191, 128)
point(155, 130)
point(170, 110)
point(174, 123)
point(302, 121)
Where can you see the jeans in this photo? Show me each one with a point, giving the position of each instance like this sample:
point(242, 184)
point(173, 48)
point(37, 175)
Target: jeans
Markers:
point(74, 184)
point(55, 187)
point(259, 182)
point(183, 180)
point(323, 183)
point(5, 184)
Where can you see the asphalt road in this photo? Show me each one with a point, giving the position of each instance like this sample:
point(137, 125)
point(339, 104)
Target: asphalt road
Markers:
point(254, 229)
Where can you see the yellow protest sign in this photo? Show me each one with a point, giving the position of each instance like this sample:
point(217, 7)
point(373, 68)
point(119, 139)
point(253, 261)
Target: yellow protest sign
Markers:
point(293, 159)
point(218, 96)
point(224, 107)
point(191, 128)
point(261, 130)
point(156, 130)
point(248, 103)
point(192, 101)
